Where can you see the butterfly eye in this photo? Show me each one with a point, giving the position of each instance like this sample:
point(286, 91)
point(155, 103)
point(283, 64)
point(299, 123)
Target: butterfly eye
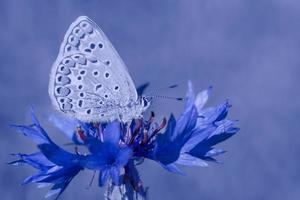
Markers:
point(116, 87)
point(145, 102)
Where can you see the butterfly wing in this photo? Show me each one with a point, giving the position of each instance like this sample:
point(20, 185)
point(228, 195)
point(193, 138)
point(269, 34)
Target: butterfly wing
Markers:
point(89, 79)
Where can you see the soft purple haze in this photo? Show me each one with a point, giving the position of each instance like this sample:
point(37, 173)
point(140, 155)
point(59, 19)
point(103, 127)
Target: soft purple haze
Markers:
point(248, 50)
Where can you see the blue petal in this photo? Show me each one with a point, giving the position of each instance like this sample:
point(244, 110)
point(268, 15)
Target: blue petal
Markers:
point(170, 131)
point(224, 131)
point(124, 155)
point(93, 162)
point(59, 156)
point(112, 132)
point(189, 160)
point(215, 114)
point(188, 119)
point(107, 156)
point(60, 186)
point(169, 144)
point(166, 150)
point(94, 145)
point(115, 175)
point(210, 126)
point(36, 160)
point(202, 98)
point(33, 117)
point(60, 174)
point(65, 125)
point(36, 133)
point(133, 173)
point(214, 152)
point(53, 192)
point(34, 178)
point(103, 176)
point(200, 151)
point(222, 111)
point(55, 175)
point(198, 135)
point(173, 168)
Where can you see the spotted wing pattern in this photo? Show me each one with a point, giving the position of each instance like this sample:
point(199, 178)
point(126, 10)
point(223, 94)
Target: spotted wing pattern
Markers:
point(89, 79)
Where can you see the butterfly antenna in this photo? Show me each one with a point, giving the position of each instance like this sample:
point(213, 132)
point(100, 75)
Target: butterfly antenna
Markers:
point(167, 97)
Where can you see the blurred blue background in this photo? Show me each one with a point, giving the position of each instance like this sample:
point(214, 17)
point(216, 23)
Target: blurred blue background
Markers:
point(248, 50)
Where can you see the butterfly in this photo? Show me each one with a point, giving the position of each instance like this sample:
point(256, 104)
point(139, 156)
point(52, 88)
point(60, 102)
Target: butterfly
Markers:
point(89, 80)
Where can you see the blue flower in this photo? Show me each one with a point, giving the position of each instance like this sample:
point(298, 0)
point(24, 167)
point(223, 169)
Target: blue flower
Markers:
point(58, 167)
point(211, 128)
point(168, 145)
point(115, 148)
point(108, 155)
point(55, 166)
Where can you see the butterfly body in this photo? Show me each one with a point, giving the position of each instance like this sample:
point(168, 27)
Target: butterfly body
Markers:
point(89, 80)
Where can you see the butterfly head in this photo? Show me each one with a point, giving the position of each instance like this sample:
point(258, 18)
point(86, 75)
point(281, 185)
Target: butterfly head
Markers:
point(145, 102)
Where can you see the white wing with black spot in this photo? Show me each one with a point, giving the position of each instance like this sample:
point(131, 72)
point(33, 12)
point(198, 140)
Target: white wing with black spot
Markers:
point(89, 79)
